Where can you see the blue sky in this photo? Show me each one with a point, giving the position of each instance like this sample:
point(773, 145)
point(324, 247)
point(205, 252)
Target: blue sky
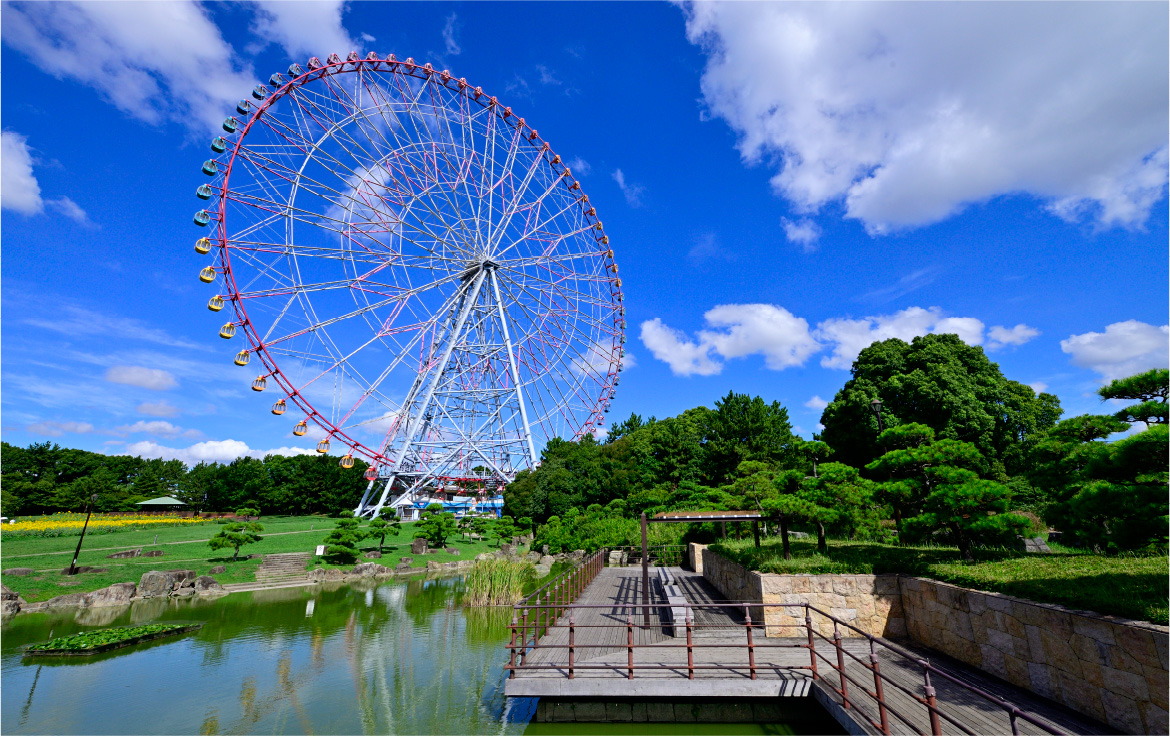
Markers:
point(781, 184)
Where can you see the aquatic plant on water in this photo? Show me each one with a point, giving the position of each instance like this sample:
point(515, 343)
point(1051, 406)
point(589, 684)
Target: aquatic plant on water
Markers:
point(103, 639)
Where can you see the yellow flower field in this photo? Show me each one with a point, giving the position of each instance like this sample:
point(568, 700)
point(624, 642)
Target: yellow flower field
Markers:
point(60, 525)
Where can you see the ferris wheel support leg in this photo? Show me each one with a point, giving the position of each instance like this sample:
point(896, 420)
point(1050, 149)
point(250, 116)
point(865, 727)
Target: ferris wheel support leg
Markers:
point(512, 366)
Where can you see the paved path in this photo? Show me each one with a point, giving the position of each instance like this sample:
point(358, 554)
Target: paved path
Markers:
point(721, 665)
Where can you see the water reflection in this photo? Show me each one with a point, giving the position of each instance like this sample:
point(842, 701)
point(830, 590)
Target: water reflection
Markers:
point(399, 657)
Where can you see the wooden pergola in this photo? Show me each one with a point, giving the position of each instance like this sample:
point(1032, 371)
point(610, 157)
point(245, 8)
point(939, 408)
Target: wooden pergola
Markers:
point(679, 517)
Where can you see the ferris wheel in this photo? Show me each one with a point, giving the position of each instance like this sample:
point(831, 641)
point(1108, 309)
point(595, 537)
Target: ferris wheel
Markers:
point(413, 271)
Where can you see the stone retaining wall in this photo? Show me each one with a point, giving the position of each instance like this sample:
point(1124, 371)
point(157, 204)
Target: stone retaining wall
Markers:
point(872, 603)
point(1111, 669)
point(1108, 668)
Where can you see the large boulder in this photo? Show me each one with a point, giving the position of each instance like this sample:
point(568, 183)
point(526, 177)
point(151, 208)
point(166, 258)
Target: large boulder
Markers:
point(452, 551)
point(369, 569)
point(118, 594)
point(419, 546)
point(207, 585)
point(126, 553)
point(372, 554)
point(161, 583)
point(322, 574)
point(217, 570)
point(69, 600)
point(507, 549)
point(10, 602)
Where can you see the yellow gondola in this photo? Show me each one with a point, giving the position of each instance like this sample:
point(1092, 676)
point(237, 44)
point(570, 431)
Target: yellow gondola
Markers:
point(207, 275)
point(301, 428)
point(242, 357)
point(279, 407)
point(323, 446)
point(346, 462)
point(259, 384)
point(203, 246)
point(215, 303)
point(228, 331)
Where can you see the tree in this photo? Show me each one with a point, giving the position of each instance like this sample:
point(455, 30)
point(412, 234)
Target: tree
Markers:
point(1149, 389)
point(745, 428)
point(941, 382)
point(435, 525)
point(236, 535)
point(248, 512)
point(386, 523)
point(907, 469)
point(843, 498)
point(969, 509)
point(341, 544)
point(503, 528)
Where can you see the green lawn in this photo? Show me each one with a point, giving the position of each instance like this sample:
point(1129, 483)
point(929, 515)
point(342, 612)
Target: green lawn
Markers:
point(1130, 586)
point(185, 548)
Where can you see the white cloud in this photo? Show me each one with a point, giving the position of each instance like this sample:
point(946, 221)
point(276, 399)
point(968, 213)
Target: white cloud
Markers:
point(850, 336)
point(73, 321)
point(449, 41)
point(708, 248)
point(153, 61)
point(157, 427)
point(210, 451)
point(910, 282)
point(367, 38)
point(1000, 336)
point(56, 429)
point(907, 112)
point(70, 209)
point(816, 403)
point(759, 329)
point(804, 233)
point(157, 409)
point(684, 357)
point(154, 379)
point(546, 75)
point(19, 190)
point(632, 192)
point(1038, 386)
point(1123, 349)
point(304, 28)
point(580, 167)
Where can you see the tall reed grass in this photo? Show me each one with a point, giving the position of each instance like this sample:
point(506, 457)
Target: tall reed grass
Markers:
point(497, 581)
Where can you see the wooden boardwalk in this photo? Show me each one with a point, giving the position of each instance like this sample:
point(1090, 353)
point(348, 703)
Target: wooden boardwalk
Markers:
point(604, 623)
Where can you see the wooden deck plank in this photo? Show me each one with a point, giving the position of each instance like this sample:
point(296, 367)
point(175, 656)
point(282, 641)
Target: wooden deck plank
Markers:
point(782, 665)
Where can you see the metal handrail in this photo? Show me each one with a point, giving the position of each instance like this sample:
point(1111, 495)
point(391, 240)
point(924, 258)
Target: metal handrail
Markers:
point(527, 639)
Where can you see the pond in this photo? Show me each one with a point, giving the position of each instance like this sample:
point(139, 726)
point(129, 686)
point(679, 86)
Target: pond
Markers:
point(401, 657)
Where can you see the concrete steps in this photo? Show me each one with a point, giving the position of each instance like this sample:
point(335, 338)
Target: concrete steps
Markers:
point(283, 568)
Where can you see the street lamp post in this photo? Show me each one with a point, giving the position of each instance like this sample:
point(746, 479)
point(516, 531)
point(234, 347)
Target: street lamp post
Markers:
point(76, 552)
point(876, 407)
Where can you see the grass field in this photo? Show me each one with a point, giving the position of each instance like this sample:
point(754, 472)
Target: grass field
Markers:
point(1130, 586)
point(185, 548)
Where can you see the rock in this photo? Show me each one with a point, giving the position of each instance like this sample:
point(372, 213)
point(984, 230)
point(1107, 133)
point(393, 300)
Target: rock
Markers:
point(84, 569)
point(419, 546)
point(184, 592)
point(507, 549)
point(407, 560)
point(155, 584)
point(218, 569)
point(124, 554)
point(153, 553)
point(546, 560)
point(182, 579)
point(372, 554)
point(798, 535)
point(485, 556)
point(207, 585)
point(368, 569)
point(542, 569)
point(402, 566)
point(1036, 544)
point(322, 573)
point(118, 594)
point(69, 600)
point(19, 571)
point(10, 602)
point(452, 551)
point(544, 550)
point(577, 555)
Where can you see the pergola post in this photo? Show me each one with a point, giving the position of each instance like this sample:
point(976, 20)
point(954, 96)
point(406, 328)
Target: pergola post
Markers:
point(645, 573)
point(756, 533)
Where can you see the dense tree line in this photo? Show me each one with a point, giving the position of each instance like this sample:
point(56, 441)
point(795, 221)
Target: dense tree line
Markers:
point(967, 457)
point(45, 478)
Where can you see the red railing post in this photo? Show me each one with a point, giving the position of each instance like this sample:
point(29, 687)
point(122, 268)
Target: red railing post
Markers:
point(751, 646)
point(877, 686)
point(841, 665)
point(690, 623)
point(523, 634)
point(572, 642)
point(1015, 726)
point(630, 647)
point(931, 702)
point(512, 647)
point(812, 649)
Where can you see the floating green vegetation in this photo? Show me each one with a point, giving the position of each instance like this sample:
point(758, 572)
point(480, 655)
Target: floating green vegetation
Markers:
point(103, 640)
point(498, 581)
